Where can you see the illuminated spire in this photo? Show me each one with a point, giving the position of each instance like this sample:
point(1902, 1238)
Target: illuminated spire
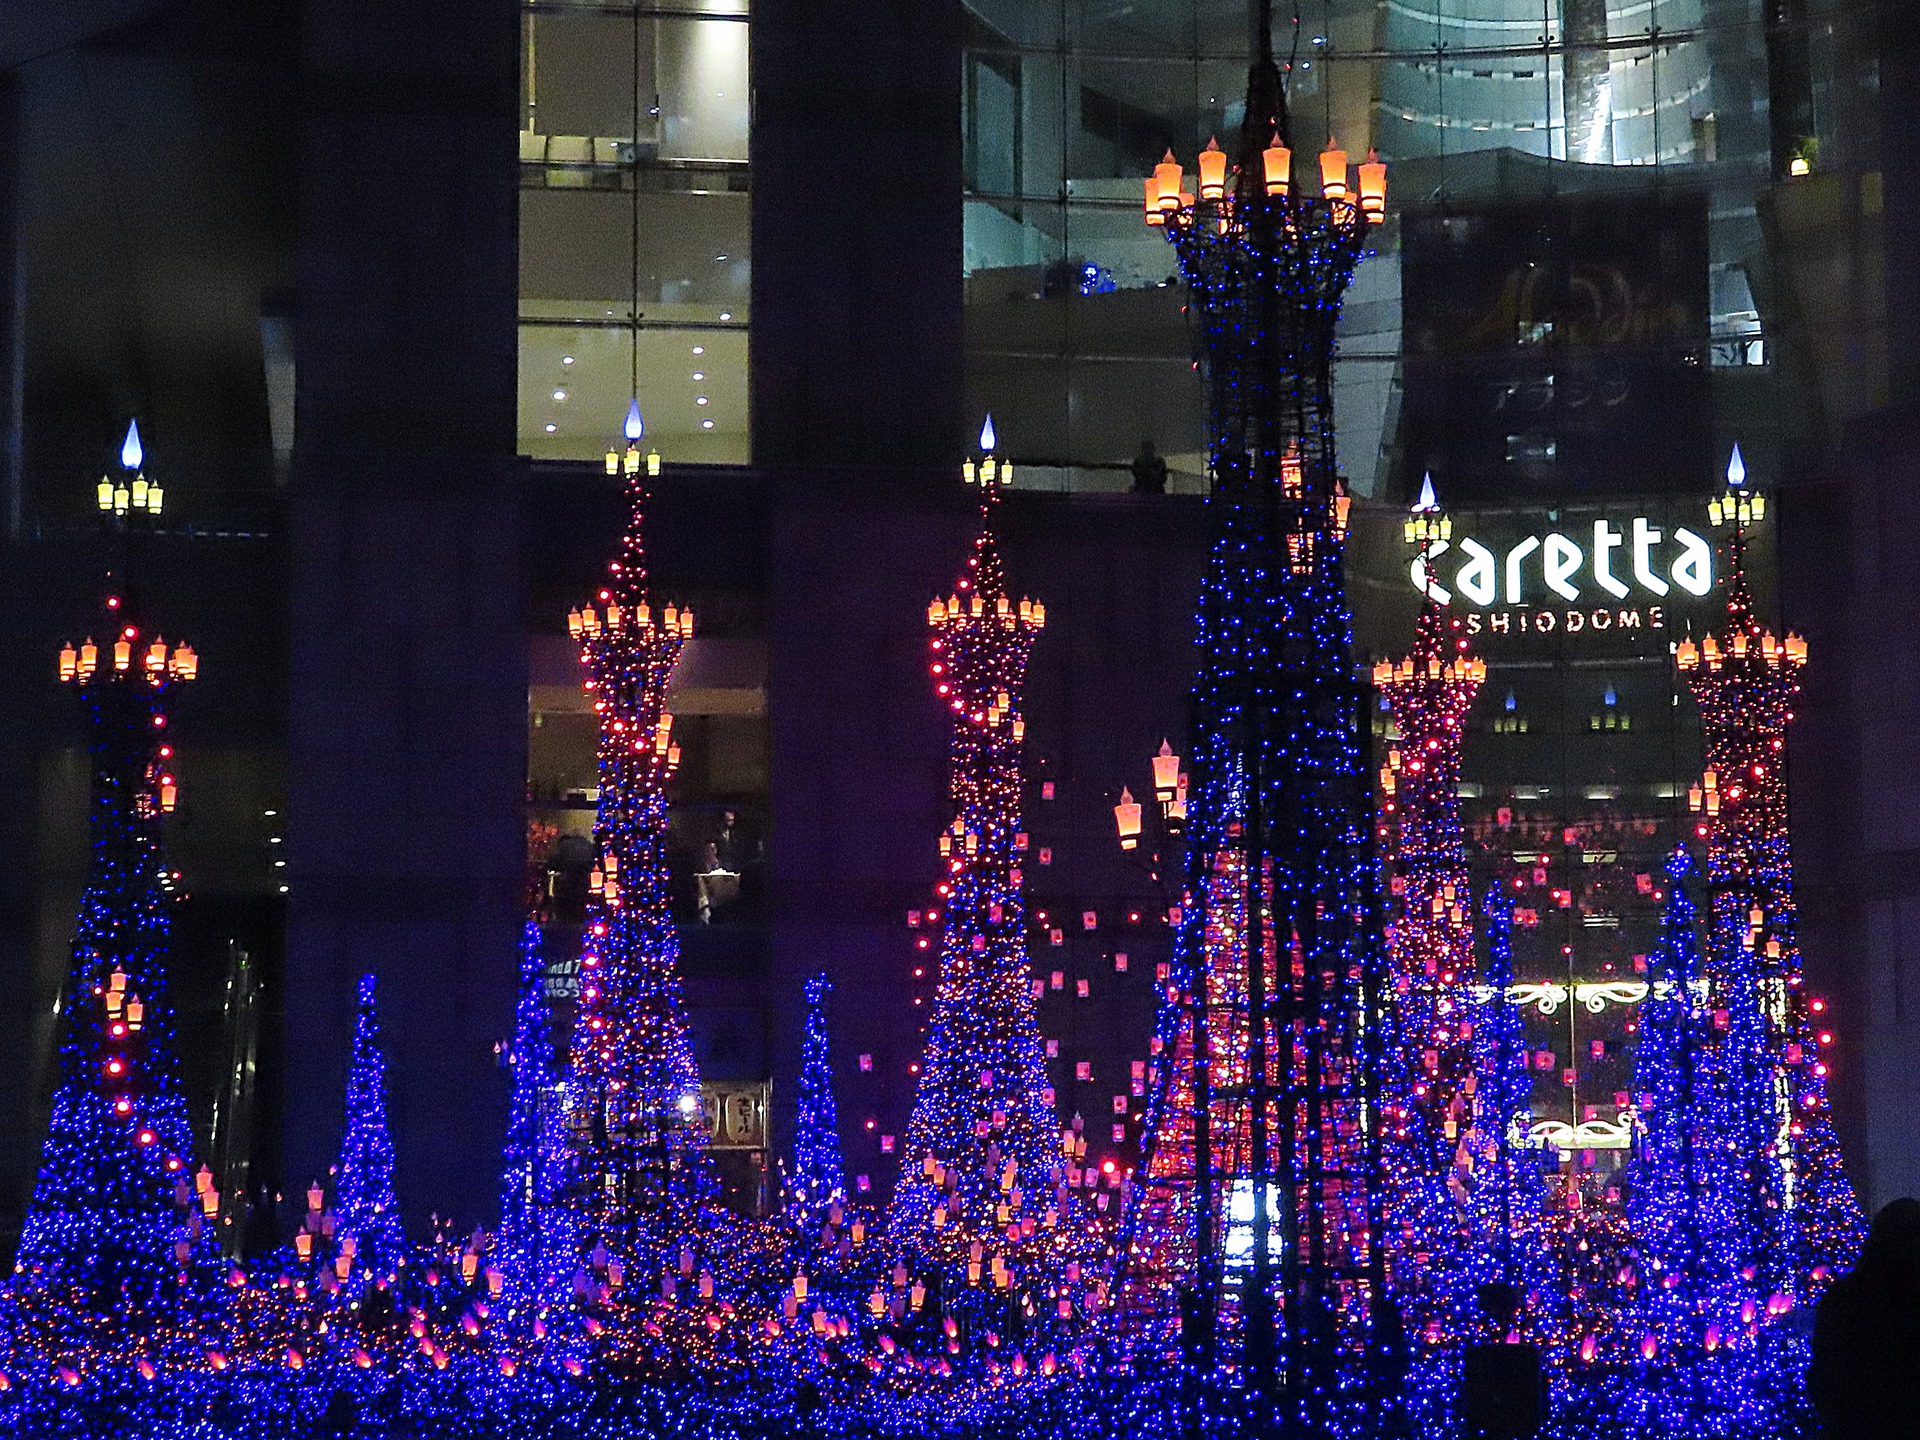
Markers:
point(635, 426)
point(1428, 502)
point(130, 452)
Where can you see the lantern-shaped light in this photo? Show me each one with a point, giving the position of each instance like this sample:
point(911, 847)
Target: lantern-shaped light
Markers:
point(89, 658)
point(1166, 772)
point(122, 653)
point(186, 662)
point(1333, 172)
point(1277, 163)
point(1373, 187)
point(1167, 177)
point(169, 793)
point(1126, 816)
point(157, 656)
point(69, 662)
point(1154, 217)
point(1213, 171)
point(103, 493)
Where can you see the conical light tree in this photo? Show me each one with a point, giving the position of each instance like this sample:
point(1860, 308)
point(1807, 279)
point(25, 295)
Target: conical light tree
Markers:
point(983, 1121)
point(981, 1217)
point(1745, 681)
point(530, 1248)
point(819, 1173)
point(367, 1224)
point(640, 1183)
point(118, 1209)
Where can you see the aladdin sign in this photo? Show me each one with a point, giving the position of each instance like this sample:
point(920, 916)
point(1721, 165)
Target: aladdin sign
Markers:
point(1633, 561)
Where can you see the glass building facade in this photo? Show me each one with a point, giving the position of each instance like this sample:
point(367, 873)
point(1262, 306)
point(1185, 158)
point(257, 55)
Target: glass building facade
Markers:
point(619, 99)
point(1077, 340)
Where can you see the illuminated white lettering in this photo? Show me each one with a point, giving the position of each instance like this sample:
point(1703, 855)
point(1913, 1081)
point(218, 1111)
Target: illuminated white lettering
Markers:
point(1645, 537)
point(1477, 578)
point(1576, 622)
point(1502, 621)
point(1629, 619)
point(1561, 562)
point(1693, 571)
point(1423, 580)
point(1602, 620)
point(1543, 621)
point(1605, 540)
point(1515, 557)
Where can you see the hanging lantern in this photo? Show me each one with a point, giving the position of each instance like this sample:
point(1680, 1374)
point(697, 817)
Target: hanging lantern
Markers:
point(122, 653)
point(1166, 772)
point(186, 662)
point(1213, 171)
point(69, 663)
point(1167, 177)
point(1277, 162)
point(156, 656)
point(1126, 816)
point(1373, 187)
point(1333, 172)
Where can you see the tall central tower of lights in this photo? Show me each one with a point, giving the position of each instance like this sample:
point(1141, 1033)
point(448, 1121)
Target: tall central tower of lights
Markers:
point(633, 1090)
point(983, 1129)
point(1258, 1206)
point(116, 1218)
point(1745, 681)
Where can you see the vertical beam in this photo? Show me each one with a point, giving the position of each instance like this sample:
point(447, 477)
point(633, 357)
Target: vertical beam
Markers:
point(856, 340)
point(407, 731)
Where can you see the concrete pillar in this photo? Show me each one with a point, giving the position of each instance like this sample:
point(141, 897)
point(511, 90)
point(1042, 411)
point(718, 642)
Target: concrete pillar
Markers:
point(407, 732)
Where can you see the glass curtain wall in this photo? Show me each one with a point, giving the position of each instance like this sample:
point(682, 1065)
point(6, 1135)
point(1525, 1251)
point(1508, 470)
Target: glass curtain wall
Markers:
point(588, 71)
point(1077, 340)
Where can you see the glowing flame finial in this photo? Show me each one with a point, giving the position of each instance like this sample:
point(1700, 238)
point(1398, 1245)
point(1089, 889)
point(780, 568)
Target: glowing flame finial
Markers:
point(987, 437)
point(1428, 501)
point(130, 452)
point(635, 426)
point(1737, 471)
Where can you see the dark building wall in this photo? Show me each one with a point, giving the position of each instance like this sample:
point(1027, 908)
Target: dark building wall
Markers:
point(148, 171)
point(407, 739)
point(856, 233)
point(1851, 583)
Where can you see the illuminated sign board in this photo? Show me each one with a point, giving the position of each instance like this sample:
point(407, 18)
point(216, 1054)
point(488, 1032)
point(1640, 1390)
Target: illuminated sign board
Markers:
point(1634, 560)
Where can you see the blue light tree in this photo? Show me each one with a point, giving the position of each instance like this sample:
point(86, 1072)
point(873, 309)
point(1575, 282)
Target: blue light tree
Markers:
point(367, 1222)
point(819, 1173)
point(1505, 1183)
point(118, 1213)
point(531, 1248)
point(1705, 1359)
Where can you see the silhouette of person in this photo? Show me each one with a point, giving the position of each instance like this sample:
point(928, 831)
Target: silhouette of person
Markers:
point(1149, 471)
point(1865, 1377)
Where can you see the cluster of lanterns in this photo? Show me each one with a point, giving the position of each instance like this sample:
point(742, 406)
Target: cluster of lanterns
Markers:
point(1169, 202)
point(1712, 654)
point(1169, 789)
point(79, 663)
point(117, 498)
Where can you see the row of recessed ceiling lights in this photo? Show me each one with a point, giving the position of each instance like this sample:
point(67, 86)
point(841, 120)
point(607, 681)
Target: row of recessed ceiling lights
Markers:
point(698, 375)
